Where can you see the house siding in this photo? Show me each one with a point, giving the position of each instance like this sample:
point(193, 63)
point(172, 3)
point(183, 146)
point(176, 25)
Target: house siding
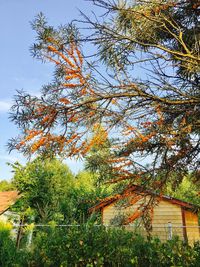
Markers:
point(163, 214)
point(192, 230)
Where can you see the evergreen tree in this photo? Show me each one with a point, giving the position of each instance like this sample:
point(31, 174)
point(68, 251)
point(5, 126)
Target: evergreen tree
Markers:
point(155, 116)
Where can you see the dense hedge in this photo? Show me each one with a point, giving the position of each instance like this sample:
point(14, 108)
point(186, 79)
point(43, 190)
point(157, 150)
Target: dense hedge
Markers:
point(97, 246)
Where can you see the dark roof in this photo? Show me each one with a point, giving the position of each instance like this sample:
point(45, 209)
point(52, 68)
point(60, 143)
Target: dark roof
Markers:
point(7, 199)
point(141, 191)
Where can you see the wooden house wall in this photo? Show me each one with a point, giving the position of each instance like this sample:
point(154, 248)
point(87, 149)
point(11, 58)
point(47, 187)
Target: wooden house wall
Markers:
point(163, 213)
point(114, 210)
point(192, 230)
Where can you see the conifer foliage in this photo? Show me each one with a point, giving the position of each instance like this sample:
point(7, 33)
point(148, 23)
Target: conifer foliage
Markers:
point(154, 117)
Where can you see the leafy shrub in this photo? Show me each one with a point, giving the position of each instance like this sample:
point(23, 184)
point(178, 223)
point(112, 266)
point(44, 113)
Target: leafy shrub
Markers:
point(196, 250)
point(9, 255)
point(98, 246)
point(82, 246)
point(89, 245)
point(7, 246)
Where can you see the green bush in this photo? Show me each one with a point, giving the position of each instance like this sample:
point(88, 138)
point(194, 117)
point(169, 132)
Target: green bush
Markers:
point(7, 246)
point(82, 246)
point(98, 246)
point(89, 245)
point(9, 255)
point(196, 250)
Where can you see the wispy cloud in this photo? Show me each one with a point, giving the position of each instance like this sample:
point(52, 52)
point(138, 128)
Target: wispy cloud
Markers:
point(5, 105)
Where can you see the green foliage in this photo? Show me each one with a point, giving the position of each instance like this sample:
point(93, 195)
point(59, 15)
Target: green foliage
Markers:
point(9, 256)
point(44, 184)
point(85, 246)
point(82, 196)
point(97, 160)
point(154, 25)
point(187, 190)
point(51, 192)
point(6, 186)
point(84, 180)
point(90, 245)
point(98, 246)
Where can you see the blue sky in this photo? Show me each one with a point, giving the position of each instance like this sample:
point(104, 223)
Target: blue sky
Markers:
point(18, 70)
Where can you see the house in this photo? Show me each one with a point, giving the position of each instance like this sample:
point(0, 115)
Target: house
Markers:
point(7, 199)
point(169, 216)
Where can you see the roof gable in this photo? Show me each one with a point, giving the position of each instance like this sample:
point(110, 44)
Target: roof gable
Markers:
point(135, 189)
point(7, 199)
